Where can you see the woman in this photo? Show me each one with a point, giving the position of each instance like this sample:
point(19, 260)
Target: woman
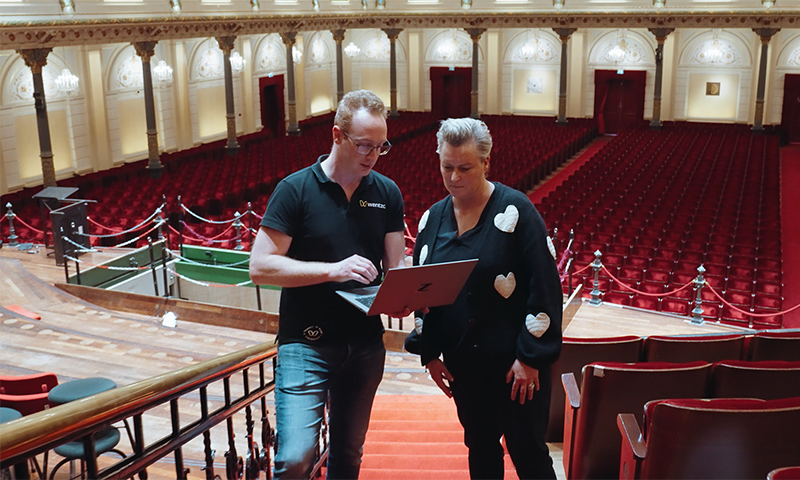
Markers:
point(503, 333)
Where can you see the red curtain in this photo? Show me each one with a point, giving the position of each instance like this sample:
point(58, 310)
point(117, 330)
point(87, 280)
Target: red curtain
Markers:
point(635, 96)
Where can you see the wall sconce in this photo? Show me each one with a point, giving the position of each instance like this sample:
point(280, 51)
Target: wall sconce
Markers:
point(558, 4)
point(380, 4)
point(768, 3)
point(466, 4)
point(175, 6)
point(67, 6)
point(659, 3)
point(254, 5)
point(315, 4)
point(364, 4)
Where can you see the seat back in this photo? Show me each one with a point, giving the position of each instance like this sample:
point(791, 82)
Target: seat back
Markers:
point(27, 384)
point(774, 346)
point(785, 473)
point(608, 389)
point(766, 380)
point(720, 438)
point(25, 404)
point(689, 348)
point(577, 352)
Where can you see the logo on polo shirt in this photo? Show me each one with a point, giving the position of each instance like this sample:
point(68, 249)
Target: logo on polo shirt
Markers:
point(366, 204)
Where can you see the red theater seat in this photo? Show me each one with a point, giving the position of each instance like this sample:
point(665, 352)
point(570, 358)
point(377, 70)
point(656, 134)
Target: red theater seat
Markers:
point(766, 380)
point(689, 348)
point(774, 345)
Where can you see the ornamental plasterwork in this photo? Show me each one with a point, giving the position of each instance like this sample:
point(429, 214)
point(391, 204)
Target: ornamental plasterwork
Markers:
point(730, 54)
point(22, 85)
point(271, 56)
point(377, 48)
point(535, 50)
point(452, 48)
point(634, 53)
point(129, 74)
point(319, 53)
point(794, 58)
point(210, 64)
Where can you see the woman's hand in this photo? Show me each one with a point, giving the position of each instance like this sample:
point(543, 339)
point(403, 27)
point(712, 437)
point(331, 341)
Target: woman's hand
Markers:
point(526, 381)
point(440, 373)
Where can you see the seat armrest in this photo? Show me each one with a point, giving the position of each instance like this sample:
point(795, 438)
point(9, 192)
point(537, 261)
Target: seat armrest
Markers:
point(571, 389)
point(634, 449)
point(570, 407)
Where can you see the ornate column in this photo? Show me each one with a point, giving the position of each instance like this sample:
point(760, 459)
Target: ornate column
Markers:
point(36, 59)
point(563, 34)
point(393, 33)
point(766, 35)
point(146, 50)
point(475, 35)
point(226, 44)
point(338, 37)
point(288, 40)
point(661, 35)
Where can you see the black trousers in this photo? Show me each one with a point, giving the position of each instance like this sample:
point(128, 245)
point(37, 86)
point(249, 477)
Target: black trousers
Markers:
point(487, 413)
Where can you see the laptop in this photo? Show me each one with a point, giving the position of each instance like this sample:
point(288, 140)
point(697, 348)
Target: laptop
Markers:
point(415, 287)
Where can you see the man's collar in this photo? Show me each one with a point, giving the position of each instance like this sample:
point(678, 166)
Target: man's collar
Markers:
point(323, 178)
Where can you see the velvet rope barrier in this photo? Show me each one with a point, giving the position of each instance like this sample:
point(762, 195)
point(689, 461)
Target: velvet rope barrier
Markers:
point(209, 241)
point(36, 230)
point(205, 284)
point(745, 312)
point(132, 229)
point(96, 224)
point(204, 238)
point(646, 294)
point(215, 222)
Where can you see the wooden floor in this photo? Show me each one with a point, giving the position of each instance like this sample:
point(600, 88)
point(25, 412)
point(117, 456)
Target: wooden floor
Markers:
point(75, 339)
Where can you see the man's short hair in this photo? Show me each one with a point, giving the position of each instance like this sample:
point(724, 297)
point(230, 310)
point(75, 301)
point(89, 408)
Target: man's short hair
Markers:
point(458, 131)
point(355, 101)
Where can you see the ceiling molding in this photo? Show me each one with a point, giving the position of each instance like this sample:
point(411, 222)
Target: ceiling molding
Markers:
point(76, 30)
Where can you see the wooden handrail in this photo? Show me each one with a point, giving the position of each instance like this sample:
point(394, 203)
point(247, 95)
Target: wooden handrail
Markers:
point(43, 430)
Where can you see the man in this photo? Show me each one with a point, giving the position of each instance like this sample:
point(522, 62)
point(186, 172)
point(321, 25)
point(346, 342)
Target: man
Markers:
point(332, 226)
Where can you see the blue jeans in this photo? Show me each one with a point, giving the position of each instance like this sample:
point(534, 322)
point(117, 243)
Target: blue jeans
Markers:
point(347, 374)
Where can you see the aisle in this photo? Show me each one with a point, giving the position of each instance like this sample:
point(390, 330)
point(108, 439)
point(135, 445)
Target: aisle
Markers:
point(559, 178)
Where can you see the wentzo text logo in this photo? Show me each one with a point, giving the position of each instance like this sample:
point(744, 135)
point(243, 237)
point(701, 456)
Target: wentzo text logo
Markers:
point(366, 204)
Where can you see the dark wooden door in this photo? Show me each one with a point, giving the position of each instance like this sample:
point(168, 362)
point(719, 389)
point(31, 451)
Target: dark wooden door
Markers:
point(790, 118)
point(620, 109)
point(272, 108)
point(618, 99)
point(450, 92)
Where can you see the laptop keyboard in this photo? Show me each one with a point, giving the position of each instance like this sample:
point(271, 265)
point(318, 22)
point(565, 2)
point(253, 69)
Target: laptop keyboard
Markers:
point(365, 300)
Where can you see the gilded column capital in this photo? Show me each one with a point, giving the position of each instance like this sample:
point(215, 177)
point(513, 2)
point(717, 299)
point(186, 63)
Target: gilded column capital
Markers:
point(475, 33)
point(392, 33)
point(564, 33)
point(289, 38)
point(226, 44)
point(338, 35)
point(766, 34)
point(35, 58)
point(146, 50)
point(661, 34)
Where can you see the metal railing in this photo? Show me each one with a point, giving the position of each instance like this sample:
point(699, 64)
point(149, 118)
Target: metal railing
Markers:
point(24, 438)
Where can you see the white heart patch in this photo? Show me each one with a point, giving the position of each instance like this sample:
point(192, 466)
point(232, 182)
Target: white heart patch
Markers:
point(551, 247)
point(507, 221)
point(423, 221)
point(537, 325)
point(418, 325)
point(423, 254)
point(505, 285)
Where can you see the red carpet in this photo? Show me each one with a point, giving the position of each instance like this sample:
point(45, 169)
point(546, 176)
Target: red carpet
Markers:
point(790, 232)
point(416, 437)
point(543, 190)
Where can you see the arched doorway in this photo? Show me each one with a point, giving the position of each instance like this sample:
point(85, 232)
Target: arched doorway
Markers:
point(450, 92)
point(618, 99)
point(273, 116)
point(790, 118)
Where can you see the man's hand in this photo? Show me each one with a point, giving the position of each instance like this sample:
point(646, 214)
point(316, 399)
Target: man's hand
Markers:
point(355, 268)
point(440, 373)
point(526, 381)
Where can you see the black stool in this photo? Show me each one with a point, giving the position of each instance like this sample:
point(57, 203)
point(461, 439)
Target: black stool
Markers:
point(104, 441)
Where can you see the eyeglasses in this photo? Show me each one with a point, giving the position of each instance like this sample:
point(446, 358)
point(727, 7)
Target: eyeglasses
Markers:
point(367, 149)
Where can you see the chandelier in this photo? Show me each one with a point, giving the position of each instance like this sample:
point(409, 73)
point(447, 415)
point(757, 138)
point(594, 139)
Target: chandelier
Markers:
point(619, 51)
point(530, 49)
point(714, 53)
point(67, 83)
point(162, 75)
point(448, 48)
point(237, 63)
point(352, 50)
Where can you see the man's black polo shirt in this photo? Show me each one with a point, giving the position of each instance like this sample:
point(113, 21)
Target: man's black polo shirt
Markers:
point(325, 227)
